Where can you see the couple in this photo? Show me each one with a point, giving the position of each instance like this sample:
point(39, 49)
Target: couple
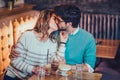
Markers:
point(76, 46)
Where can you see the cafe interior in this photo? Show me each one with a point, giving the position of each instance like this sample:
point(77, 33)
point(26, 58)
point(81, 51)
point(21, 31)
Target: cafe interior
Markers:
point(99, 17)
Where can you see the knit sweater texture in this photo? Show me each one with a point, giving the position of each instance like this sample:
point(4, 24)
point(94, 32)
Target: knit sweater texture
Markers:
point(81, 48)
point(32, 52)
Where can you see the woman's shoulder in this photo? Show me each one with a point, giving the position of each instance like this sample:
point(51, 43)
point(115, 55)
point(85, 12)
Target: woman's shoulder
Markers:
point(27, 33)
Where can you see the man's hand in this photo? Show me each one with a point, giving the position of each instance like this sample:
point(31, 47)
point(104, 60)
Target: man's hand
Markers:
point(13, 53)
point(85, 68)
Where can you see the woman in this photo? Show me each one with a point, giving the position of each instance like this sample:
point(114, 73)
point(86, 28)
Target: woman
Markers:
point(34, 47)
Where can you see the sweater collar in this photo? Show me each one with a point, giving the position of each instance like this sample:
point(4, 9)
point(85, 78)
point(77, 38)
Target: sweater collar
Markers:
point(75, 31)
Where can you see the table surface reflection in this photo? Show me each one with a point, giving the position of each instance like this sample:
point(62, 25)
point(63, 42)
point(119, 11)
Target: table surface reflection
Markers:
point(86, 76)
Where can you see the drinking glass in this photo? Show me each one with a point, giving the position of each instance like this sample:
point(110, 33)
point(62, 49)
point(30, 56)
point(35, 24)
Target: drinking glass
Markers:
point(54, 66)
point(41, 74)
point(48, 65)
point(48, 69)
point(55, 59)
point(10, 3)
point(79, 70)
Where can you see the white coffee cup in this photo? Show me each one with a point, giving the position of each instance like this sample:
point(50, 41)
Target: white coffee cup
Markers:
point(63, 69)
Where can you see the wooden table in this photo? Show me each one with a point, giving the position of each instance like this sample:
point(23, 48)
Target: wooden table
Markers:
point(107, 48)
point(86, 76)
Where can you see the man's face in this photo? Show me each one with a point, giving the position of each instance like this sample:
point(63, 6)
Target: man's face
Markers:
point(62, 25)
point(56, 23)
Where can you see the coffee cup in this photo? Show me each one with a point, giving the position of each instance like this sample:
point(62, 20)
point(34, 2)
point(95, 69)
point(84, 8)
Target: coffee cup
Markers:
point(64, 69)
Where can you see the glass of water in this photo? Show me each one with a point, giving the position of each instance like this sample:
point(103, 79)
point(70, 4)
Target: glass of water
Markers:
point(79, 71)
point(41, 74)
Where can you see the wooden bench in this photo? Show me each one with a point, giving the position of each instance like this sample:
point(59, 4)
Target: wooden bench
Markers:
point(10, 29)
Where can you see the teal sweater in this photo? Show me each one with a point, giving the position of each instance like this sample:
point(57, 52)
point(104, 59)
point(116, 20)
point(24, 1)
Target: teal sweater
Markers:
point(81, 48)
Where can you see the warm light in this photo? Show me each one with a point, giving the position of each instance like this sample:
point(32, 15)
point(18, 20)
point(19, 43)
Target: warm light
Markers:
point(23, 25)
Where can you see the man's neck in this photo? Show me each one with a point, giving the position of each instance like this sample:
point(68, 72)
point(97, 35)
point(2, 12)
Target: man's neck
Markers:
point(74, 30)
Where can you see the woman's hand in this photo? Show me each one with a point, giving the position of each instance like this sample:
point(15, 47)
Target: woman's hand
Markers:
point(35, 69)
point(62, 61)
point(63, 36)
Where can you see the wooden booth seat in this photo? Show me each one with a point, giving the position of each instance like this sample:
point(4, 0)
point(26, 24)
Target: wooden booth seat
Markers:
point(6, 41)
point(10, 29)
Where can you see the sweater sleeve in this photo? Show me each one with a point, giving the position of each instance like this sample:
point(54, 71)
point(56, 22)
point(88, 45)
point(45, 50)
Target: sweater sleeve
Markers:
point(61, 50)
point(18, 62)
point(61, 47)
point(90, 52)
point(58, 52)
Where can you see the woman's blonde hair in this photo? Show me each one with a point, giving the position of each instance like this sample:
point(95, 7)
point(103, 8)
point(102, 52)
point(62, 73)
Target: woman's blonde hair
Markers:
point(42, 25)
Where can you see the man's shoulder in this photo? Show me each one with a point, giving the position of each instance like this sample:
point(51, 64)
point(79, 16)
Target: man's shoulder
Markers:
point(85, 33)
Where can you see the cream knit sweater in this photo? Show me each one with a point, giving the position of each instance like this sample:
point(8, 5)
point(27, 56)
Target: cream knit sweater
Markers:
point(32, 53)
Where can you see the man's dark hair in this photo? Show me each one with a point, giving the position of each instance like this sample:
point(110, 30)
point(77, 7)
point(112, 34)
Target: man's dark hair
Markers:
point(69, 13)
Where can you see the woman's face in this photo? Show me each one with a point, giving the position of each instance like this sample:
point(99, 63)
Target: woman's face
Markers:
point(56, 23)
point(60, 22)
point(52, 23)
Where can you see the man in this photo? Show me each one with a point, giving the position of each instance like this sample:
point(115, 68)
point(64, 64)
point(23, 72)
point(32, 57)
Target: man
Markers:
point(80, 47)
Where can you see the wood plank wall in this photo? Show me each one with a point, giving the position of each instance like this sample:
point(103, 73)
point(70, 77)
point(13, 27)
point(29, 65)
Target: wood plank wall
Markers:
point(103, 26)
